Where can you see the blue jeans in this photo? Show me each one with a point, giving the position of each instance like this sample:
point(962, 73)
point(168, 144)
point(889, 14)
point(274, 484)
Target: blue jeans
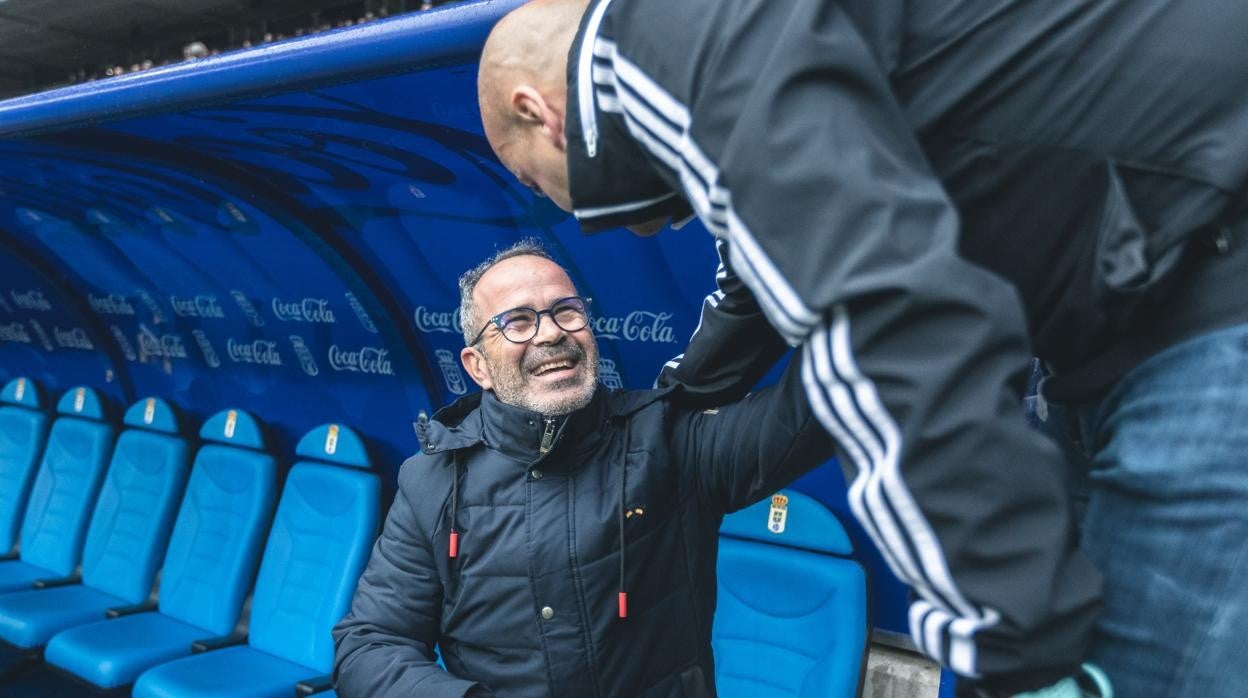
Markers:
point(1165, 474)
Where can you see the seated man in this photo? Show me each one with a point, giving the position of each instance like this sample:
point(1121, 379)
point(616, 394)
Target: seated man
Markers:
point(555, 538)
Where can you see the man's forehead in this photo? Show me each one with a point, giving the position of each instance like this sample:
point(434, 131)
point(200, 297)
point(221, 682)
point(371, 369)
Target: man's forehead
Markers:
point(523, 280)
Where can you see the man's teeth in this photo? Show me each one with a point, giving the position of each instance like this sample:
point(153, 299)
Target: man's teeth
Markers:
point(551, 367)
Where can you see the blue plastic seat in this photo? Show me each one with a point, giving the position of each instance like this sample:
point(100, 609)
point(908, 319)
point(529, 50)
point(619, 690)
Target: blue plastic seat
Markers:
point(791, 618)
point(64, 492)
point(23, 430)
point(322, 534)
point(127, 536)
point(208, 569)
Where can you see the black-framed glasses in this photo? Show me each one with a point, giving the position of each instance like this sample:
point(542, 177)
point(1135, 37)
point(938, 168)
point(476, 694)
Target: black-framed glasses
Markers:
point(520, 325)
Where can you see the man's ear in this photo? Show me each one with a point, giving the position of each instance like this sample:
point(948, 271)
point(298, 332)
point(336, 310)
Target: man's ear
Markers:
point(534, 110)
point(474, 364)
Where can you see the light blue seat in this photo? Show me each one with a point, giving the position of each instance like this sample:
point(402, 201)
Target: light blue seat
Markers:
point(127, 536)
point(61, 500)
point(23, 430)
point(321, 537)
point(208, 569)
point(791, 618)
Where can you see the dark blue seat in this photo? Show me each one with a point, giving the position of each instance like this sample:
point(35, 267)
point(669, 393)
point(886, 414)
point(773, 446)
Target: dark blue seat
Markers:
point(64, 492)
point(23, 430)
point(791, 618)
point(127, 536)
point(208, 569)
point(322, 534)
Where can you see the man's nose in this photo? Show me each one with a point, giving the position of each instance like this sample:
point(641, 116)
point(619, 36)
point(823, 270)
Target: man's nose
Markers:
point(548, 332)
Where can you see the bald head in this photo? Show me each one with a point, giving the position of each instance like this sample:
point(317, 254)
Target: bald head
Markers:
point(527, 47)
point(522, 89)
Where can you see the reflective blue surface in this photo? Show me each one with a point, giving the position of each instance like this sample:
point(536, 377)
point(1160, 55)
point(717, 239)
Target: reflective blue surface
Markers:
point(281, 230)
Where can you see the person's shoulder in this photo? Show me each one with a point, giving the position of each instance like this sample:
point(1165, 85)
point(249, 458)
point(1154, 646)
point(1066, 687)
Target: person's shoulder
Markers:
point(622, 403)
point(424, 470)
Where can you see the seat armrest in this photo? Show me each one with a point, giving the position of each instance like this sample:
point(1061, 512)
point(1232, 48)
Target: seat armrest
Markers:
point(11, 555)
point(216, 643)
point(309, 687)
point(50, 582)
point(119, 611)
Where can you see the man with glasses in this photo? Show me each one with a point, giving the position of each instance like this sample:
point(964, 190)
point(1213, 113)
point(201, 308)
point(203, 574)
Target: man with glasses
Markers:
point(555, 538)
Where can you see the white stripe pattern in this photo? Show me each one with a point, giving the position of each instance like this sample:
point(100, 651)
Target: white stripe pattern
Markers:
point(844, 399)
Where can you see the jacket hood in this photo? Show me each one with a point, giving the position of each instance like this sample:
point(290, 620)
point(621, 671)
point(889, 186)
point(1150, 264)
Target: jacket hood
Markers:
point(481, 419)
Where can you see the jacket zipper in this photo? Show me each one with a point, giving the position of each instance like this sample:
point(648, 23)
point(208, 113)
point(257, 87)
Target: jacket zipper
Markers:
point(547, 436)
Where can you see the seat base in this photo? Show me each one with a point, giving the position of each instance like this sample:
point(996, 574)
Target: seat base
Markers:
point(234, 672)
point(112, 653)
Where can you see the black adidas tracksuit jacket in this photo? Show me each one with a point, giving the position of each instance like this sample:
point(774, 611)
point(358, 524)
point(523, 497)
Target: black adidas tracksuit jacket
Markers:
point(926, 194)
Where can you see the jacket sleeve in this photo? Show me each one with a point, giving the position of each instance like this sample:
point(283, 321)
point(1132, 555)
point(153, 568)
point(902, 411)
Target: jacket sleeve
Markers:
point(792, 147)
point(732, 348)
point(739, 453)
point(385, 644)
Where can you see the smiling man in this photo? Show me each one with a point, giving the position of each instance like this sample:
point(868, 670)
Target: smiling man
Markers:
point(555, 538)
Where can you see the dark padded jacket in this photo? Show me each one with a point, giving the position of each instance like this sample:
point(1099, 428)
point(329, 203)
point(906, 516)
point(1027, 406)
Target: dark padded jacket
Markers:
point(529, 605)
point(916, 192)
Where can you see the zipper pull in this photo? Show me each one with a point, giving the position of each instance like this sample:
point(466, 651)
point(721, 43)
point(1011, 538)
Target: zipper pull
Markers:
point(547, 436)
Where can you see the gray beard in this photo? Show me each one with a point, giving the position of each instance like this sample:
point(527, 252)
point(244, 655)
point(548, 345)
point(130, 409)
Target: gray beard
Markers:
point(510, 387)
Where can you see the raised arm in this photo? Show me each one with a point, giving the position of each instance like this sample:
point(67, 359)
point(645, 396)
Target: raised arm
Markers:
point(733, 346)
point(385, 646)
point(739, 453)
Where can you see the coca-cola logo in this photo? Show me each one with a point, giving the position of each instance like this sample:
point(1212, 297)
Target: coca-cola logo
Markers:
point(260, 351)
point(373, 360)
point(30, 300)
point(14, 332)
point(202, 306)
point(429, 321)
point(73, 338)
point(112, 304)
point(167, 346)
point(305, 310)
point(637, 326)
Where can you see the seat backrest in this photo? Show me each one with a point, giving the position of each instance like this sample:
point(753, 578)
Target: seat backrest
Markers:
point(69, 478)
point(23, 431)
point(130, 526)
point(321, 538)
point(225, 513)
point(791, 618)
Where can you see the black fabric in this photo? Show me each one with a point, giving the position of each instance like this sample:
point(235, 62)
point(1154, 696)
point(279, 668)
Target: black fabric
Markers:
point(923, 195)
point(528, 542)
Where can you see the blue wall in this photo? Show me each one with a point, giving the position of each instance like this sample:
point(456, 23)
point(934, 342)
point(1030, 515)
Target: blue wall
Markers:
point(281, 229)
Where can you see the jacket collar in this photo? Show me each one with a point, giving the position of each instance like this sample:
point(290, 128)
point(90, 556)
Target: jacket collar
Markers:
point(612, 180)
point(481, 420)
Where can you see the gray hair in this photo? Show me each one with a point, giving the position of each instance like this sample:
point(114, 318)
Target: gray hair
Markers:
point(527, 247)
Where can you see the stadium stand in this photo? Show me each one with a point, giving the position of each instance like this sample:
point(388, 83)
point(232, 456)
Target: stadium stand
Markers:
point(208, 569)
point(127, 536)
point(771, 636)
point(321, 537)
point(23, 430)
point(64, 492)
